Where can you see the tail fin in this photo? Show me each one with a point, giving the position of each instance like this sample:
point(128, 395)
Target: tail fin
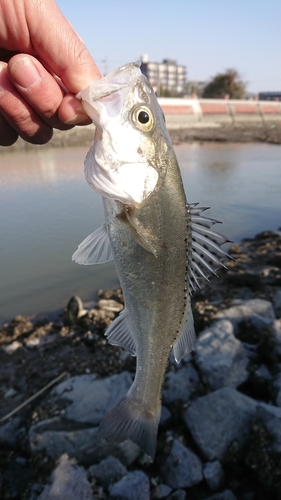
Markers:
point(130, 421)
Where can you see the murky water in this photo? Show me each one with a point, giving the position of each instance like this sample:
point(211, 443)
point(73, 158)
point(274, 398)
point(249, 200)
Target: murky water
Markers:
point(47, 209)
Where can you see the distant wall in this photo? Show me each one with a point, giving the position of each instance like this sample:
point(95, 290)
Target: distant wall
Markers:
point(184, 112)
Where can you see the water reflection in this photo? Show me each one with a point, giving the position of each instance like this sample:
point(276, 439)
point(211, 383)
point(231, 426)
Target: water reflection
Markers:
point(47, 209)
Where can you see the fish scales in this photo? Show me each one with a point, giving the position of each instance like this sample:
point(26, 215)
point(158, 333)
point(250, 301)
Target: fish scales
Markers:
point(161, 245)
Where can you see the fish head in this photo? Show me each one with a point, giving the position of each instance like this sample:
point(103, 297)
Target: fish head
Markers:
point(126, 160)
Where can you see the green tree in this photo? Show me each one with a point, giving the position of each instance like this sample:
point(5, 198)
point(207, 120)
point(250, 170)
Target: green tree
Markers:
point(226, 84)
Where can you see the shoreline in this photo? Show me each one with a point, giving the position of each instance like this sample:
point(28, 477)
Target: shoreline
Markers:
point(239, 312)
point(205, 131)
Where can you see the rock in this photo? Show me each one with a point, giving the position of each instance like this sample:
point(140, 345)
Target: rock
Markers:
point(180, 384)
point(69, 482)
point(108, 471)
point(9, 432)
point(110, 305)
point(258, 310)
point(177, 495)
point(224, 495)
point(35, 491)
point(214, 475)
point(166, 416)
point(277, 385)
point(160, 492)
point(270, 417)
point(53, 438)
point(220, 357)
point(34, 342)
point(218, 419)
point(133, 486)
point(275, 330)
point(10, 393)
point(88, 399)
point(277, 303)
point(182, 468)
point(262, 373)
point(11, 348)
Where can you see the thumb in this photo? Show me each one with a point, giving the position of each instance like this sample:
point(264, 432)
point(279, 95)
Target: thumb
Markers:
point(60, 48)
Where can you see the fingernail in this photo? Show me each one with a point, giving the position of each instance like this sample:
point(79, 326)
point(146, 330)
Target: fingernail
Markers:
point(77, 119)
point(75, 111)
point(25, 73)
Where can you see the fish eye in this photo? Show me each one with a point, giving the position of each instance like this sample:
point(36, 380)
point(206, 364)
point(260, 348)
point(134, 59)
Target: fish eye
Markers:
point(142, 118)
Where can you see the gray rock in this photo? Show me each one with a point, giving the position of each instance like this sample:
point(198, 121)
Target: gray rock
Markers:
point(9, 432)
point(263, 373)
point(180, 384)
point(160, 492)
point(220, 357)
point(270, 417)
point(182, 468)
point(275, 330)
point(133, 486)
point(83, 444)
point(165, 416)
point(35, 491)
point(260, 311)
point(108, 471)
point(224, 495)
point(218, 419)
point(214, 475)
point(177, 495)
point(10, 393)
point(69, 482)
point(89, 400)
point(277, 303)
point(277, 386)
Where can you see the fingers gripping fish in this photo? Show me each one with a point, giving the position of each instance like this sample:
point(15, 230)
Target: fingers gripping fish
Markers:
point(161, 245)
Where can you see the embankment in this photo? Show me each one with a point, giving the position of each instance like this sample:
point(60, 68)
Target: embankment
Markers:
point(194, 120)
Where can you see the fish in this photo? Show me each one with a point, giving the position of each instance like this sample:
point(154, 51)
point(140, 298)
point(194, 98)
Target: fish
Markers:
point(162, 246)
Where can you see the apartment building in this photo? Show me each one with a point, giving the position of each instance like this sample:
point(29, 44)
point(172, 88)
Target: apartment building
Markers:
point(164, 76)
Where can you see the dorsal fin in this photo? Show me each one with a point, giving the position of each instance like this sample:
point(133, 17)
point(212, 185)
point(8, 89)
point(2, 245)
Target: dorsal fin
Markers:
point(205, 250)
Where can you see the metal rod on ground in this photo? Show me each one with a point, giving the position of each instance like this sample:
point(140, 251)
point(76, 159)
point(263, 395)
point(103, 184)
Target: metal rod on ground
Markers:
point(25, 403)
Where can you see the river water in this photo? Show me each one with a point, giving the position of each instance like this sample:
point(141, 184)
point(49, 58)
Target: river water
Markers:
point(47, 209)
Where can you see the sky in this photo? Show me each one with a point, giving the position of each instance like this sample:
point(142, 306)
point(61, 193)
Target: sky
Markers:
point(207, 36)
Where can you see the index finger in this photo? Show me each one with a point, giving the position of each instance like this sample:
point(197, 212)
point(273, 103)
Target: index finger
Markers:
point(58, 45)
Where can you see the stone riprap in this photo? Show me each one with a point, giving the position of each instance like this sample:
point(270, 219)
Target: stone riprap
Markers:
point(220, 430)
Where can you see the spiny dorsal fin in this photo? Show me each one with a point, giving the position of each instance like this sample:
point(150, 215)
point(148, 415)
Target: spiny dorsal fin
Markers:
point(205, 250)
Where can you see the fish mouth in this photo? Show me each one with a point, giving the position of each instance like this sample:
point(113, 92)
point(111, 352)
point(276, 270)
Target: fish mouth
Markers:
point(111, 83)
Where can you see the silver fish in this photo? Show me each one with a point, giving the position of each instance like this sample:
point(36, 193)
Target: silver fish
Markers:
point(161, 245)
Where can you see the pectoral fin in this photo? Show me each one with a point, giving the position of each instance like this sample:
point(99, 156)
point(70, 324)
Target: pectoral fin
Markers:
point(145, 240)
point(95, 249)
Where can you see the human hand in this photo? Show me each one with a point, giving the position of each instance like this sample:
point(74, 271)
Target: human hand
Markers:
point(38, 48)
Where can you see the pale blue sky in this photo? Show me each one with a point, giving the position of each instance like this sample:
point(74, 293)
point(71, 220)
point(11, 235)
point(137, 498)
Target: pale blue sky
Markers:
point(208, 36)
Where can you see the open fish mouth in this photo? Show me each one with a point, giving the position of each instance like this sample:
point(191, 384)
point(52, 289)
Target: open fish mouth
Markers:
point(113, 82)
